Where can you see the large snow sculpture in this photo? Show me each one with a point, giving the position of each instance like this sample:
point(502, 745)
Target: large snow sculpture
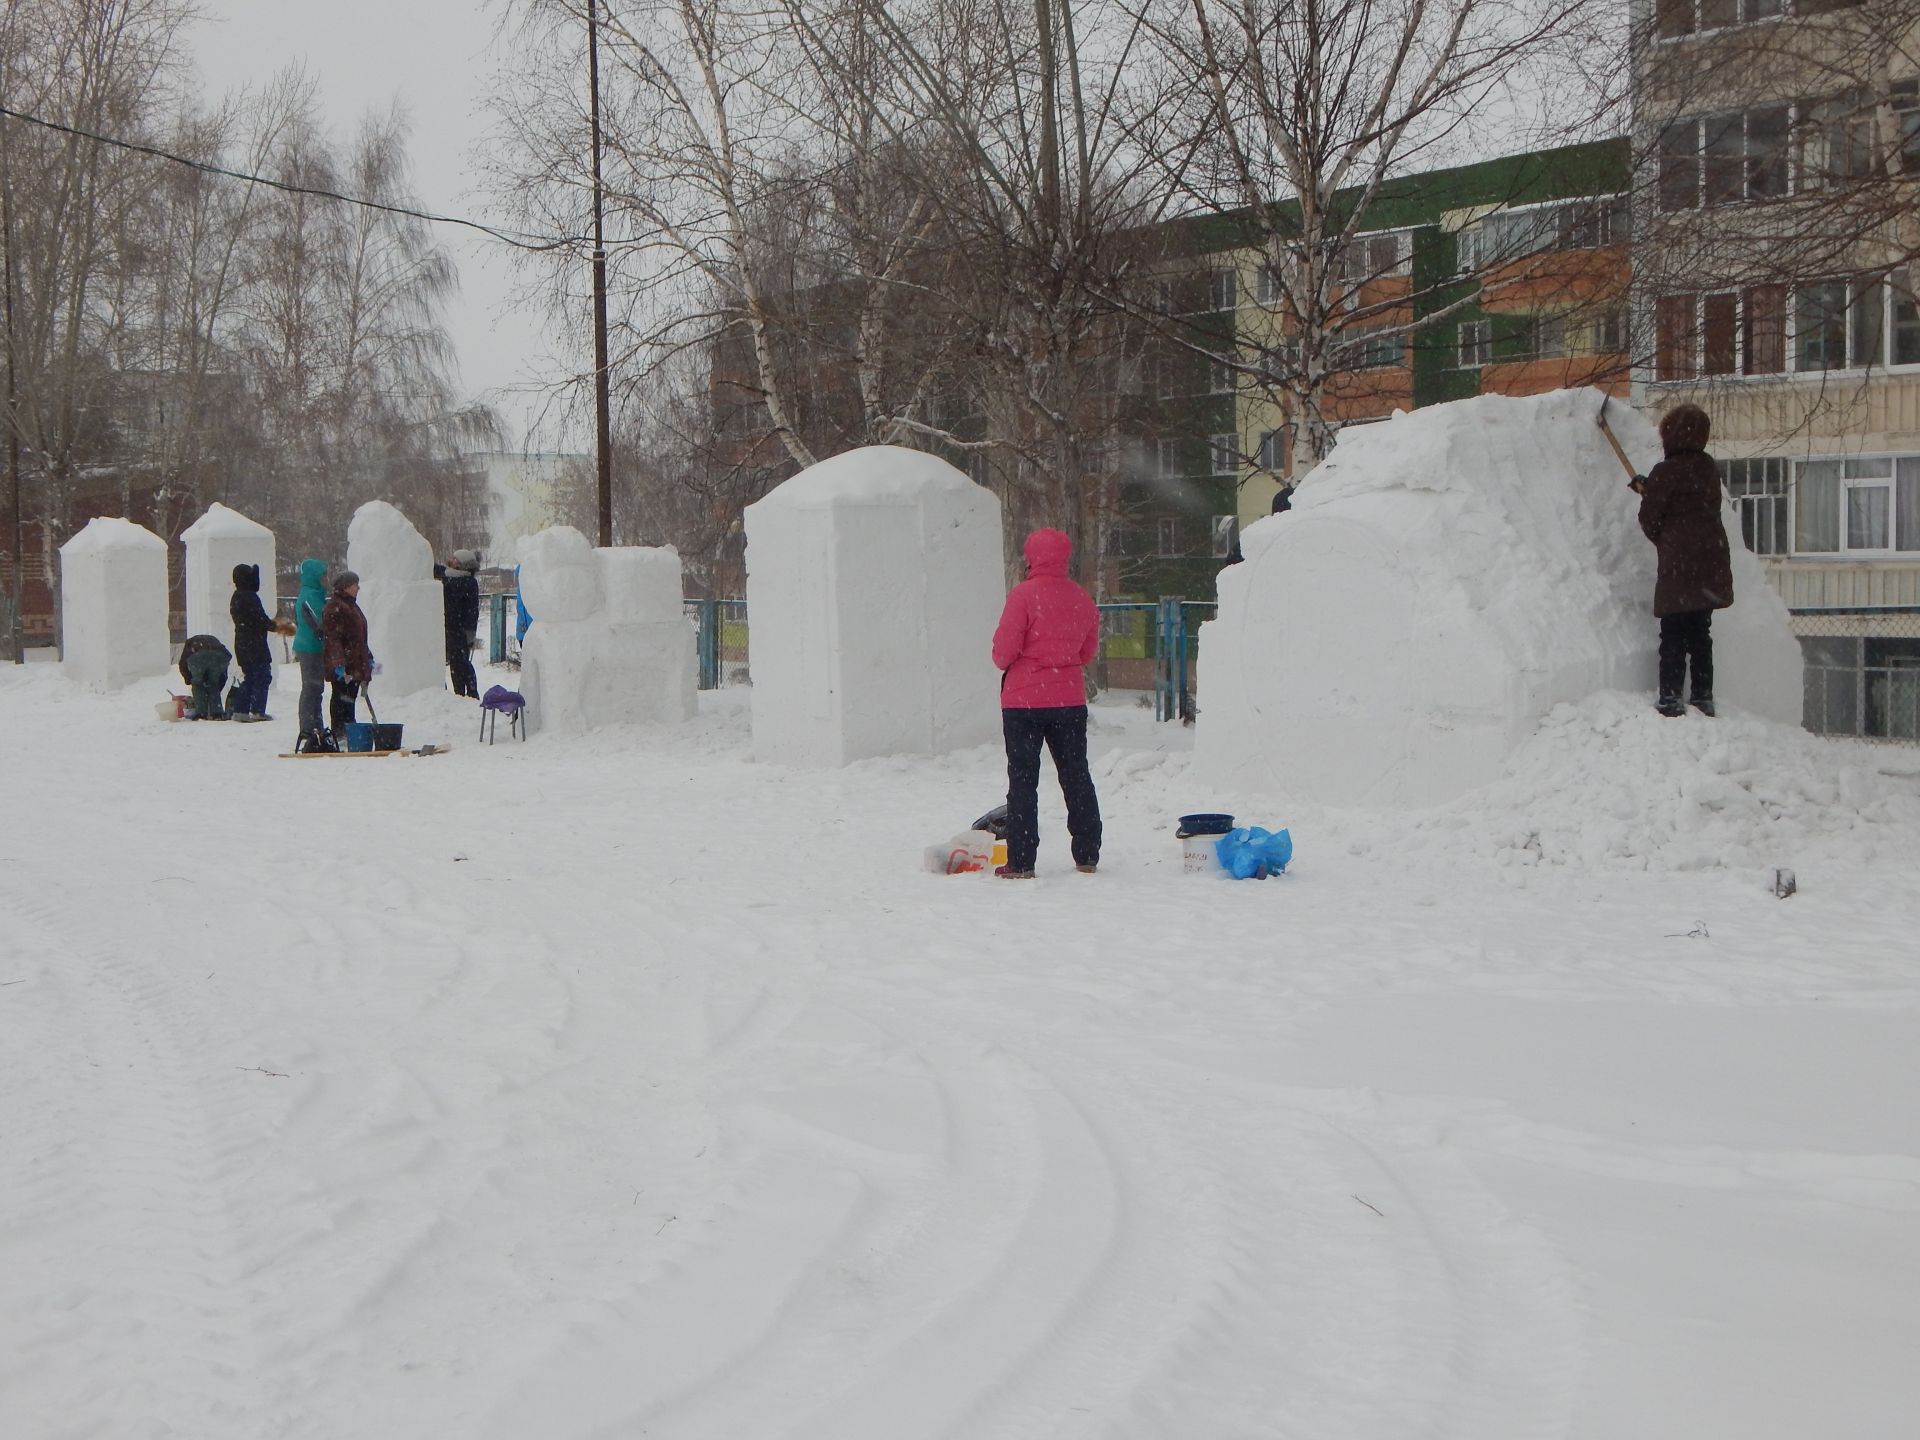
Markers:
point(403, 603)
point(1442, 581)
point(873, 583)
point(113, 604)
point(216, 542)
point(610, 642)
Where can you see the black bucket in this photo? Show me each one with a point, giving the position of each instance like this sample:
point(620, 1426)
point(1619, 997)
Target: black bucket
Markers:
point(387, 737)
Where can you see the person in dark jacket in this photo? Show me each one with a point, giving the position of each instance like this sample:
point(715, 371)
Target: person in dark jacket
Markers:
point(251, 626)
point(1681, 510)
point(1282, 500)
point(460, 582)
point(309, 646)
point(1048, 632)
point(203, 666)
point(348, 661)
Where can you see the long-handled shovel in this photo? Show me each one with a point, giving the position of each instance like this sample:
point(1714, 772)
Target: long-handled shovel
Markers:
point(1613, 440)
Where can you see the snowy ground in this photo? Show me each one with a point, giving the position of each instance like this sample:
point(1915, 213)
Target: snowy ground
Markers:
point(625, 1087)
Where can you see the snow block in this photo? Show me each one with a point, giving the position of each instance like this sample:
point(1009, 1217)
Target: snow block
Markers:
point(1442, 582)
point(113, 604)
point(874, 581)
point(403, 603)
point(611, 642)
point(216, 542)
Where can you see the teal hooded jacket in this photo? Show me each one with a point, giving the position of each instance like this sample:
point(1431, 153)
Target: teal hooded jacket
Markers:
point(311, 605)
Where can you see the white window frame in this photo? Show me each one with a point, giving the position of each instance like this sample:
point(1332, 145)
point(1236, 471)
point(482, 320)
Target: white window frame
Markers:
point(1743, 11)
point(1223, 288)
point(1271, 455)
point(1266, 285)
point(1891, 290)
point(1473, 344)
point(1167, 456)
point(1761, 488)
point(1859, 473)
point(1223, 453)
point(1355, 257)
point(1220, 376)
point(1166, 536)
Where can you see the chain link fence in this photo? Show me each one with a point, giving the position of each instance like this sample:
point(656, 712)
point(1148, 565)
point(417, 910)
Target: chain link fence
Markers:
point(1861, 673)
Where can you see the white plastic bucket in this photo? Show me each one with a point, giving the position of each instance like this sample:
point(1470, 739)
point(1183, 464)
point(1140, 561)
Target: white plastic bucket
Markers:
point(1199, 852)
point(170, 708)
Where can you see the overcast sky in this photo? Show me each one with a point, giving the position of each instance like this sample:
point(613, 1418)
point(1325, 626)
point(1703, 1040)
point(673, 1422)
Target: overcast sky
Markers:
point(436, 56)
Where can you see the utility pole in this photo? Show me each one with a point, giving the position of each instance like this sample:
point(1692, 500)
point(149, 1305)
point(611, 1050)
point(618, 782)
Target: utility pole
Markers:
point(18, 622)
point(602, 402)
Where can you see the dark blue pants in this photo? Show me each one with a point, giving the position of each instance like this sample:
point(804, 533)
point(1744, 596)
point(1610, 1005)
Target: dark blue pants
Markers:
point(250, 695)
point(1063, 730)
point(1686, 644)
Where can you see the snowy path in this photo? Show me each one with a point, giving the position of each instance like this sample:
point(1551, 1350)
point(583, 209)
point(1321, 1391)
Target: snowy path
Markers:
point(627, 1088)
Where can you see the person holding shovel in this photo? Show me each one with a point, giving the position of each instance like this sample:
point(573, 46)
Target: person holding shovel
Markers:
point(1680, 512)
point(346, 658)
point(309, 645)
point(1048, 632)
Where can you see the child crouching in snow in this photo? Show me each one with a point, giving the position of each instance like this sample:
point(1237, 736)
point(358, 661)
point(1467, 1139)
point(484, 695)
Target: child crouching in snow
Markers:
point(203, 665)
point(1048, 632)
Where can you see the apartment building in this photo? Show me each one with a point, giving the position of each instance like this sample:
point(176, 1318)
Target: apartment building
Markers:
point(1510, 276)
point(1775, 277)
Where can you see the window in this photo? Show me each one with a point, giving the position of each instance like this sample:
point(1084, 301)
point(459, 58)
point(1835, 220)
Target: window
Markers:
point(1609, 334)
point(1820, 326)
point(1476, 344)
point(1865, 504)
point(1166, 536)
point(1763, 329)
point(1226, 534)
point(1266, 285)
point(1759, 492)
point(1674, 19)
point(1219, 377)
point(1904, 97)
point(1550, 336)
point(1836, 139)
point(1365, 350)
point(1679, 183)
point(1587, 224)
point(1674, 337)
point(1272, 455)
point(1166, 376)
point(1718, 314)
point(1169, 456)
point(1905, 329)
point(1223, 289)
point(1369, 257)
point(1723, 159)
point(1224, 452)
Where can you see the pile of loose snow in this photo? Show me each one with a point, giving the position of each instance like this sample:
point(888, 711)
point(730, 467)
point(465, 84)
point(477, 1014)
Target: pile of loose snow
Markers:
point(1609, 784)
point(874, 580)
point(1442, 582)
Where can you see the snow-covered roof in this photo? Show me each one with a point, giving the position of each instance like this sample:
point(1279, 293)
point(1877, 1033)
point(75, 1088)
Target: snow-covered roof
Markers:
point(104, 533)
point(223, 523)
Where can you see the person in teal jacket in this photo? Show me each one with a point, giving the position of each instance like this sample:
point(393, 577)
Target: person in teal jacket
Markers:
point(308, 644)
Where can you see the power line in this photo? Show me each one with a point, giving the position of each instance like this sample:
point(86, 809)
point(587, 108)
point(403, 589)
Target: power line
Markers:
point(519, 239)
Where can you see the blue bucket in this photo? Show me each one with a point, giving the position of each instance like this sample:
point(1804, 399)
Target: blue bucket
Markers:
point(359, 736)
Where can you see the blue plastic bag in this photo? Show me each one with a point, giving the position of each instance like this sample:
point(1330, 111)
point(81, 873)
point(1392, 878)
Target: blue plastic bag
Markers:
point(1251, 853)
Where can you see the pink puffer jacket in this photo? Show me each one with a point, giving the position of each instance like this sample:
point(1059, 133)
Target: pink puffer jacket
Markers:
point(1048, 632)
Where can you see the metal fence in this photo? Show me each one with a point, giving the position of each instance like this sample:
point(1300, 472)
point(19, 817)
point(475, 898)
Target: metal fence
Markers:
point(1148, 646)
point(1861, 672)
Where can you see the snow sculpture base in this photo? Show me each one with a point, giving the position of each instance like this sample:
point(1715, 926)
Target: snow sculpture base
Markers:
point(874, 581)
point(216, 542)
point(1442, 581)
point(113, 605)
point(404, 605)
point(610, 642)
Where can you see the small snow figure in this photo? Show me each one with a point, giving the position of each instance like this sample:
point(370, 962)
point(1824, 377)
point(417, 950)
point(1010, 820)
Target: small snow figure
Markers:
point(1680, 511)
point(1048, 632)
point(251, 626)
point(203, 665)
point(309, 643)
point(460, 580)
point(348, 662)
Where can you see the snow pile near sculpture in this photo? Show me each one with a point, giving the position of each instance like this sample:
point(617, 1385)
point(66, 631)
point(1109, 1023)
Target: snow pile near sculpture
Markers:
point(874, 580)
point(113, 604)
point(405, 610)
point(1443, 581)
point(216, 542)
point(610, 642)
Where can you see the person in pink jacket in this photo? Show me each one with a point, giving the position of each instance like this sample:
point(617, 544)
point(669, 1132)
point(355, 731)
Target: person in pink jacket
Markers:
point(1047, 634)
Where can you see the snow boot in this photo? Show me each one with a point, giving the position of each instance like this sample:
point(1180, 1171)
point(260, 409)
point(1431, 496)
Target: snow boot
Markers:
point(315, 742)
point(1086, 869)
point(1007, 872)
point(1704, 704)
point(1670, 706)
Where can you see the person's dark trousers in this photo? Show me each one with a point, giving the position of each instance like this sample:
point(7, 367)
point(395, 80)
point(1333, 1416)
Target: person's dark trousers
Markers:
point(346, 693)
point(460, 665)
point(250, 695)
point(1686, 644)
point(207, 674)
point(313, 684)
point(1063, 729)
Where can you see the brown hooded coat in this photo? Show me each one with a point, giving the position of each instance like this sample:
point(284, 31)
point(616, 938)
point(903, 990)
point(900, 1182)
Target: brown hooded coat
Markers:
point(1681, 513)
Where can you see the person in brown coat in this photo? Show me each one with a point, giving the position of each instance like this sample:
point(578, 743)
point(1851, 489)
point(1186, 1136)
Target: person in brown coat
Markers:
point(344, 653)
point(1680, 511)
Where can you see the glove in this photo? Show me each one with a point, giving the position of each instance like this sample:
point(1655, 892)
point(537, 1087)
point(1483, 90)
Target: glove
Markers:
point(340, 674)
point(1638, 484)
